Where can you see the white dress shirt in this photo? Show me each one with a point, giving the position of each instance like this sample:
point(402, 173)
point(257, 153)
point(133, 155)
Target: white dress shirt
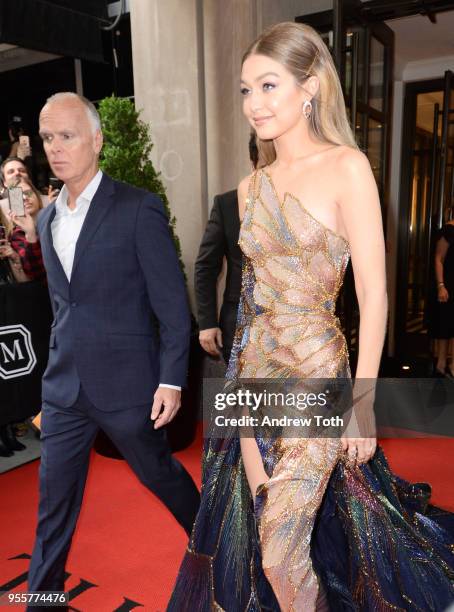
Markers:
point(67, 224)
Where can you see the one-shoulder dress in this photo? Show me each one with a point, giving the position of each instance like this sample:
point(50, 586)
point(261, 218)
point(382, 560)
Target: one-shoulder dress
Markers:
point(371, 539)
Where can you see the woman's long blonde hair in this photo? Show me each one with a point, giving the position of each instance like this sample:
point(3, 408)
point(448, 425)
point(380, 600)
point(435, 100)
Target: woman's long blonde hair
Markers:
point(302, 52)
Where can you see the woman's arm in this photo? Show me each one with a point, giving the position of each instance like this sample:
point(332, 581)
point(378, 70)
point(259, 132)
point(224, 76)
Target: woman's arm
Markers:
point(13, 150)
point(362, 221)
point(440, 253)
point(25, 242)
point(360, 217)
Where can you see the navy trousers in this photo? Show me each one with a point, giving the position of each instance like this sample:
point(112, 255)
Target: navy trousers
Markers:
point(67, 437)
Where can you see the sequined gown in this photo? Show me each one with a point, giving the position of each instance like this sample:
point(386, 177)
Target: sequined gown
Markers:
point(371, 539)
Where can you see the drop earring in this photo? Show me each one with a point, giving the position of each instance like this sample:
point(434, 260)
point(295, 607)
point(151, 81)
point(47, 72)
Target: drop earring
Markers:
point(307, 109)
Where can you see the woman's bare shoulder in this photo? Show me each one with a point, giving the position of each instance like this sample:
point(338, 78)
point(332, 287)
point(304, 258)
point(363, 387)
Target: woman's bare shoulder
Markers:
point(351, 159)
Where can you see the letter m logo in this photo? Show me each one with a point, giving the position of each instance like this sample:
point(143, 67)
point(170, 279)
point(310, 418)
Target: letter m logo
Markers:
point(17, 357)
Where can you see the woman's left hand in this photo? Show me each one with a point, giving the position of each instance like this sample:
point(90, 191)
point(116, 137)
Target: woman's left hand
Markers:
point(360, 436)
point(27, 224)
point(359, 450)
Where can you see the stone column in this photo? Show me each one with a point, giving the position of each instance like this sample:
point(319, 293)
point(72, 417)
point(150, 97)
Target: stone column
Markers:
point(187, 64)
point(229, 27)
point(271, 12)
point(167, 46)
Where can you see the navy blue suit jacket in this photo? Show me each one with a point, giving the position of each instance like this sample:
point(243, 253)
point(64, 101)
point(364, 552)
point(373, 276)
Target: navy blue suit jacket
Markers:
point(103, 335)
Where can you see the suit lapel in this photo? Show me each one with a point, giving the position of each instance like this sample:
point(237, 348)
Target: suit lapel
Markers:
point(96, 212)
point(51, 259)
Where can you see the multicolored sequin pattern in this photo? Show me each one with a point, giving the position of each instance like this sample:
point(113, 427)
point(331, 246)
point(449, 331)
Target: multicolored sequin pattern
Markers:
point(376, 544)
point(299, 266)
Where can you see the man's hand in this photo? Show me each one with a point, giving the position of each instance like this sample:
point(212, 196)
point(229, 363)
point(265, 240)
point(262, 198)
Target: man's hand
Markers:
point(7, 251)
point(165, 406)
point(210, 339)
point(443, 295)
point(52, 193)
point(23, 151)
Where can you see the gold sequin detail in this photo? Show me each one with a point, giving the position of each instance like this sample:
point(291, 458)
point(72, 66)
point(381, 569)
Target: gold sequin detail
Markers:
point(299, 265)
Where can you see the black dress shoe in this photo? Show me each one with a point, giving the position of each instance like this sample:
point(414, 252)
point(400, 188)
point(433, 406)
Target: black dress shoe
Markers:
point(8, 438)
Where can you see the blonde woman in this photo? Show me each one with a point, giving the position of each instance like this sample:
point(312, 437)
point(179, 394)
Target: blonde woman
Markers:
point(309, 523)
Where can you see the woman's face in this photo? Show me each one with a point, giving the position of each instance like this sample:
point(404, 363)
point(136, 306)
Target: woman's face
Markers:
point(272, 99)
point(31, 201)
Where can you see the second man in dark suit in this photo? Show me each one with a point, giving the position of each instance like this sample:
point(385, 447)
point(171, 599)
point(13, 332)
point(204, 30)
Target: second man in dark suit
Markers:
point(220, 240)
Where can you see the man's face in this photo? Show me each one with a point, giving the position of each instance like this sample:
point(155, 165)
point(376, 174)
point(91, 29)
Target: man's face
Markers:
point(13, 171)
point(71, 146)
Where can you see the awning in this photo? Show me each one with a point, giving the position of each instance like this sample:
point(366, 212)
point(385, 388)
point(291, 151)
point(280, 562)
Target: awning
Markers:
point(55, 26)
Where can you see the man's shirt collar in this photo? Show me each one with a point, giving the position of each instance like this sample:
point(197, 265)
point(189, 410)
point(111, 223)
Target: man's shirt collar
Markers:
point(61, 203)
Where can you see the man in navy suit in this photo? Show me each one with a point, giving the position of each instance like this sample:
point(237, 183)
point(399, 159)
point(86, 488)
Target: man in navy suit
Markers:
point(111, 267)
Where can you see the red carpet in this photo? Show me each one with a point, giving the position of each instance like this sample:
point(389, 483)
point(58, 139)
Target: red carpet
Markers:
point(127, 548)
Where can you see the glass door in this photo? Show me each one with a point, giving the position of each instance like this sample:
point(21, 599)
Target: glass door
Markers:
point(367, 87)
point(427, 200)
point(445, 202)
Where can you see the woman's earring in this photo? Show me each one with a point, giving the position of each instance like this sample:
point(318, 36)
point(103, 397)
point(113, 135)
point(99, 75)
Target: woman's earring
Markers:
point(307, 109)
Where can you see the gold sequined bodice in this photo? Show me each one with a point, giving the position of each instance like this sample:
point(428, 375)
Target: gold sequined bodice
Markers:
point(299, 266)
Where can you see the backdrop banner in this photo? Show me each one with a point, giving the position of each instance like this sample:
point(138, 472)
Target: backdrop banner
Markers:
point(25, 320)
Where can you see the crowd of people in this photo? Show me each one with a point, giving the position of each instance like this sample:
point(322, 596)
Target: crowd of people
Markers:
point(20, 251)
point(20, 258)
point(281, 523)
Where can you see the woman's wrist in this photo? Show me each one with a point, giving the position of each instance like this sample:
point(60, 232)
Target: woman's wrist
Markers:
point(31, 237)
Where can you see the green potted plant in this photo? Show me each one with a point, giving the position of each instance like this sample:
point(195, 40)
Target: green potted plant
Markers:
point(126, 157)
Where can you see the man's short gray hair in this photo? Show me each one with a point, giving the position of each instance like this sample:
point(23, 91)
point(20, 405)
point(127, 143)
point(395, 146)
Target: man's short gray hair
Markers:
point(92, 113)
